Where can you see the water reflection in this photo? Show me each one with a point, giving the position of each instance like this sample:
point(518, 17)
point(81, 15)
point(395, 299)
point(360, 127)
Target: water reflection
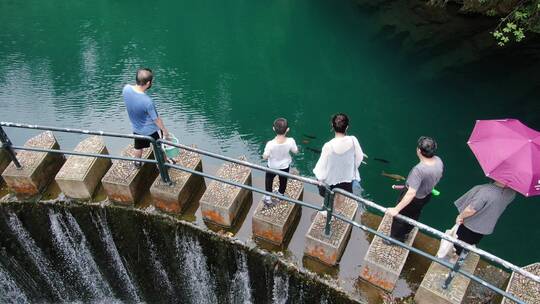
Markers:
point(225, 71)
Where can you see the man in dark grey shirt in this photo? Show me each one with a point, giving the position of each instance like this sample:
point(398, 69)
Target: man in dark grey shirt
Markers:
point(420, 182)
point(480, 209)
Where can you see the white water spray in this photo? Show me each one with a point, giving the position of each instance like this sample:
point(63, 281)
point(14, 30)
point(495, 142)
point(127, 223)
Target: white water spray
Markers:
point(53, 279)
point(158, 267)
point(123, 274)
point(11, 293)
point(280, 290)
point(195, 270)
point(240, 291)
point(71, 243)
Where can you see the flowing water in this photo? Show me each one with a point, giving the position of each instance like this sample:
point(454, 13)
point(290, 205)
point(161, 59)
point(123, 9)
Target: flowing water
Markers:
point(201, 287)
point(124, 276)
point(11, 293)
point(82, 269)
point(100, 261)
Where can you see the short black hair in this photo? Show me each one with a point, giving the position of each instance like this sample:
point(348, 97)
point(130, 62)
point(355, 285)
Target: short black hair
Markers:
point(340, 122)
point(427, 146)
point(144, 75)
point(280, 126)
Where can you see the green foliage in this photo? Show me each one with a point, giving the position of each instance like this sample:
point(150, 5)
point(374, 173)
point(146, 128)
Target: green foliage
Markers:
point(513, 27)
point(491, 13)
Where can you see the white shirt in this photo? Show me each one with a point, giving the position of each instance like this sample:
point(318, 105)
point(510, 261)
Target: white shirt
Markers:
point(339, 161)
point(278, 155)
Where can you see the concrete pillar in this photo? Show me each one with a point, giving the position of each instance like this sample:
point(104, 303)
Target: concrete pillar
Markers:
point(79, 176)
point(524, 288)
point(124, 183)
point(274, 224)
point(38, 168)
point(383, 263)
point(174, 198)
point(221, 202)
point(430, 290)
point(328, 249)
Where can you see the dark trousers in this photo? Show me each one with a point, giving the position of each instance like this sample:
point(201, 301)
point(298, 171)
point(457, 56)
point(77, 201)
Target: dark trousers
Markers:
point(345, 186)
point(269, 180)
point(401, 229)
point(468, 236)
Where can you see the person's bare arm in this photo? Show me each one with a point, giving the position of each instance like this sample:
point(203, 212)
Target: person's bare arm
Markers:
point(468, 212)
point(161, 126)
point(405, 200)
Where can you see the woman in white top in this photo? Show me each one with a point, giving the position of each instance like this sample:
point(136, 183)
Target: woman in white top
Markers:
point(340, 157)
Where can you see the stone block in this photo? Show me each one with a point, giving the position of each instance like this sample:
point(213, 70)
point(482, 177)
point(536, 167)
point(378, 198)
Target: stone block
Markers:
point(274, 223)
point(38, 168)
point(383, 263)
point(80, 175)
point(524, 288)
point(221, 202)
point(431, 291)
point(124, 183)
point(185, 185)
point(328, 249)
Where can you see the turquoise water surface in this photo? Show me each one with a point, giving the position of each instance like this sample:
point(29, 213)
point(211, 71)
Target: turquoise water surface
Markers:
point(224, 70)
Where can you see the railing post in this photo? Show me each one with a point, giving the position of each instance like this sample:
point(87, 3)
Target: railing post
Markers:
point(454, 270)
point(329, 207)
point(6, 144)
point(163, 170)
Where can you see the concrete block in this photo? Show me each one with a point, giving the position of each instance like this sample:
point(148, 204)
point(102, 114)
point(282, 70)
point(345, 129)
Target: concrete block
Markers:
point(124, 183)
point(328, 249)
point(80, 175)
point(38, 168)
point(430, 290)
point(524, 288)
point(174, 198)
point(274, 223)
point(383, 263)
point(4, 161)
point(221, 202)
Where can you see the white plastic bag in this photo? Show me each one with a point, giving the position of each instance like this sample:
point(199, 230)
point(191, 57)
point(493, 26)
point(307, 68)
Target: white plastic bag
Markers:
point(446, 247)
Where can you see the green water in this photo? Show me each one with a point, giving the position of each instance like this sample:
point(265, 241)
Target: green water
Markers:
point(225, 69)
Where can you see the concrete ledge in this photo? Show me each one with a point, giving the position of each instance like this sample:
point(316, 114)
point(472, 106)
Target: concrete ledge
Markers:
point(173, 198)
point(273, 224)
point(221, 202)
point(124, 183)
point(383, 263)
point(38, 168)
point(328, 249)
point(431, 292)
point(524, 288)
point(79, 176)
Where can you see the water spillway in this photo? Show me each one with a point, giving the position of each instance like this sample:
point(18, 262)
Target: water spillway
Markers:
point(100, 253)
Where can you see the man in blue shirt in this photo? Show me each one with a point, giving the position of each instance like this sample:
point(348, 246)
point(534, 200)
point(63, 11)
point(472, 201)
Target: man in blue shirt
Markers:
point(142, 112)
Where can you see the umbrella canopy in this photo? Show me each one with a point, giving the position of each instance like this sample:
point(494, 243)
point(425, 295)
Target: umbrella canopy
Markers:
point(508, 152)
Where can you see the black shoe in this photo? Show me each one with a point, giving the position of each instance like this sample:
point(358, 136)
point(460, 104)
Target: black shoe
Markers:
point(137, 164)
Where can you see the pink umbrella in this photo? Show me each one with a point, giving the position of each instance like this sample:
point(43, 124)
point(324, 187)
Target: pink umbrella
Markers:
point(508, 152)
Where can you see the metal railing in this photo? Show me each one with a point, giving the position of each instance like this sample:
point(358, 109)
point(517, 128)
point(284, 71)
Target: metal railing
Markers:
point(328, 204)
